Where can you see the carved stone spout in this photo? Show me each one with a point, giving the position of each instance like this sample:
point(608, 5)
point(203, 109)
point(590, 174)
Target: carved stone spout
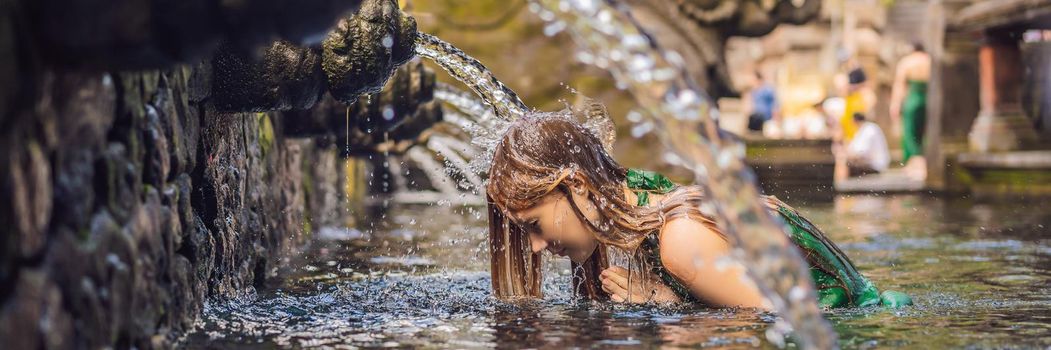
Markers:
point(356, 57)
point(363, 50)
point(285, 77)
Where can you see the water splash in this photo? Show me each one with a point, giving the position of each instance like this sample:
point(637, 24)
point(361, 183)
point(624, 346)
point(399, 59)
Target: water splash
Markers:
point(453, 158)
point(477, 110)
point(453, 167)
point(442, 161)
point(477, 119)
point(686, 122)
point(486, 130)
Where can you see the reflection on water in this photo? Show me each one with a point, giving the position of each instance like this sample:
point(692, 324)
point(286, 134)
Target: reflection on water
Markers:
point(979, 273)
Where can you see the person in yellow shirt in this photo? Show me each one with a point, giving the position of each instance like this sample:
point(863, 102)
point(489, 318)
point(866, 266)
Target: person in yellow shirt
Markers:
point(854, 103)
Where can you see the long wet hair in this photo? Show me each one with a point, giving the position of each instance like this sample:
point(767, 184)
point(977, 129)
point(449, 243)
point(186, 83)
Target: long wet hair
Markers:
point(542, 153)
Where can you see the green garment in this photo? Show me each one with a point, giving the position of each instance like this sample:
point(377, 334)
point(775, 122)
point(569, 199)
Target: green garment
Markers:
point(839, 284)
point(913, 119)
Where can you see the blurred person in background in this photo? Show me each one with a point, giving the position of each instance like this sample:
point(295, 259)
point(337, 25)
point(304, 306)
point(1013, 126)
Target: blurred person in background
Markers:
point(908, 108)
point(764, 104)
point(856, 100)
point(867, 152)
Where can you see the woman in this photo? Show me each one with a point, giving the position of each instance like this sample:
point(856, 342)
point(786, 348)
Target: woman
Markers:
point(553, 186)
point(908, 108)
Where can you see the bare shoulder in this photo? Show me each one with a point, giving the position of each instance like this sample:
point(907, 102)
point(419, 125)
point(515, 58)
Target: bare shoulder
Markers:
point(916, 59)
point(684, 230)
point(684, 241)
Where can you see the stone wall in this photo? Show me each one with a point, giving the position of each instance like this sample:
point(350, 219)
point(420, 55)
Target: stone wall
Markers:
point(128, 203)
point(135, 188)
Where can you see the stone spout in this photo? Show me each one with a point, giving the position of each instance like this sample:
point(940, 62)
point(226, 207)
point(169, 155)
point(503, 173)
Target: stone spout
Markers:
point(363, 50)
point(284, 77)
point(356, 57)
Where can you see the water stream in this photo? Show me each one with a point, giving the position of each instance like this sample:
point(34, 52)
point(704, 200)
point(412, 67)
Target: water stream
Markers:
point(501, 99)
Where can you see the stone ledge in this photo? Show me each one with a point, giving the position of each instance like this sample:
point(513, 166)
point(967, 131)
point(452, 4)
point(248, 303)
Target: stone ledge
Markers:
point(1014, 174)
point(892, 181)
point(986, 15)
point(997, 14)
point(1007, 160)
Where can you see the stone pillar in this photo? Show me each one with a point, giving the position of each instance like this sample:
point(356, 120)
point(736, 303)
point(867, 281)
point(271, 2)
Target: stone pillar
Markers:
point(1001, 124)
point(1036, 91)
point(952, 94)
point(935, 43)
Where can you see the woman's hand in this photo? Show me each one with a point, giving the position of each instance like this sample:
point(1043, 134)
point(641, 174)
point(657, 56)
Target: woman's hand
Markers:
point(644, 288)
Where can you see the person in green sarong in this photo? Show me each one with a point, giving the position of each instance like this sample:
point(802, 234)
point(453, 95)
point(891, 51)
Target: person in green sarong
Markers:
point(908, 107)
point(553, 186)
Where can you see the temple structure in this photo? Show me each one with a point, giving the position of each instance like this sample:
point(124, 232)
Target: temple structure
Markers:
point(988, 128)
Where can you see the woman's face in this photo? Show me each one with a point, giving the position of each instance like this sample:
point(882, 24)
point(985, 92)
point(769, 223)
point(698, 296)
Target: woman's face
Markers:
point(553, 225)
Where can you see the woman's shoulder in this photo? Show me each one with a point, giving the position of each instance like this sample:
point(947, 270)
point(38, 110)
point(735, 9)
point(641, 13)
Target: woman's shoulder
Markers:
point(684, 229)
point(683, 240)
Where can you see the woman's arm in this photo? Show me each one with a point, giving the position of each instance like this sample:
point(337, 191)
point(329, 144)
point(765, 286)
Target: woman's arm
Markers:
point(692, 253)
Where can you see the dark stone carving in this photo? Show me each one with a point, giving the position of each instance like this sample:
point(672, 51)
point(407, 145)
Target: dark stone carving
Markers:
point(283, 77)
point(364, 49)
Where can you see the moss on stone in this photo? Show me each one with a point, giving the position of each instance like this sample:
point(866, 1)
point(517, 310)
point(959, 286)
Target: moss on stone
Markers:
point(266, 133)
